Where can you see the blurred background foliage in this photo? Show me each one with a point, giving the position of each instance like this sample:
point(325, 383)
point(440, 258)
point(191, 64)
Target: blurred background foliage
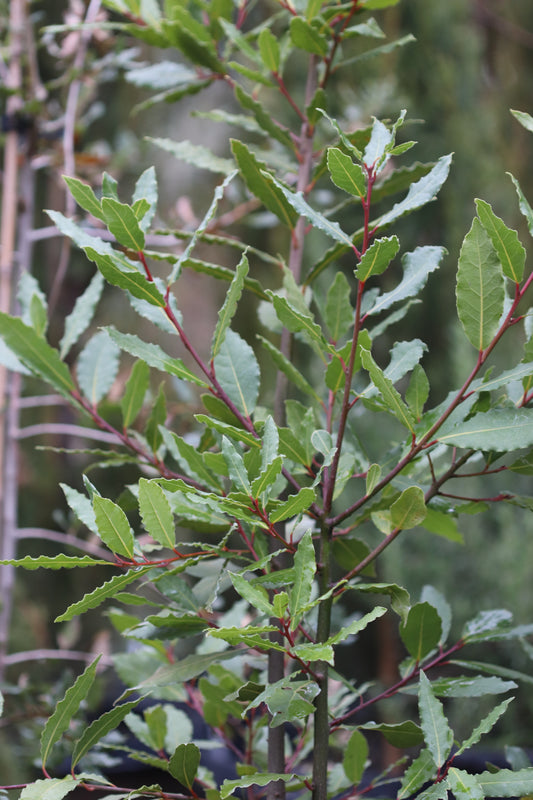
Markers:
point(471, 62)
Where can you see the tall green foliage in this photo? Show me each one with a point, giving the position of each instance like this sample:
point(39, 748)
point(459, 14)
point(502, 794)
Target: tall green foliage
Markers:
point(291, 492)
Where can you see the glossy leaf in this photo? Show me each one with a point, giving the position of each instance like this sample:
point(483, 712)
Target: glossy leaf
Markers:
point(525, 119)
point(190, 460)
point(97, 367)
point(85, 197)
point(377, 258)
point(437, 733)
point(255, 779)
point(357, 625)
point(36, 354)
point(298, 321)
point(227, 312)
point(128, 279)
point(60, 561)
point(123, 224)
point(156, 513)
point(355, 756)
point(65, 710)
point(113, 526)
point(237, 371)
point(480, 289)
point(409, 510)
point(421, 631)
point(296, 504)
point(146, 189)
point(402, 734)
point(255, 595)
point(346, 174)
point(504, 240)
point(380, 139)
point(236, 468)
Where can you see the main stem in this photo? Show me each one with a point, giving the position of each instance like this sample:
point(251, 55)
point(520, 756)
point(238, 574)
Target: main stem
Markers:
point(321, 733)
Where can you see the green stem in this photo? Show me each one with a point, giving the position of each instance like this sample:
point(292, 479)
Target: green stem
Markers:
point(321, 750)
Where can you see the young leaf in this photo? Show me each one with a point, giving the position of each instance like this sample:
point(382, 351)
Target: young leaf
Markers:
point(60, 720)
point(304, 574)
point(156, 513)
point(437, 733)
point(307, 38)
point(227, 312)
point(355, 756)
point(184, 763)
point(524, 119)
point(377, 258)
point(421, 631)
point(81, 316)
point(480, 288)
point(237, 371)
point(132, 400)
point(113, 527)
point(504, 240)
point(97, 367)
point(345, 173)
point(100, 728)
point(146, 187)
point(269, 50)
point(85, 197)
point(36, 354)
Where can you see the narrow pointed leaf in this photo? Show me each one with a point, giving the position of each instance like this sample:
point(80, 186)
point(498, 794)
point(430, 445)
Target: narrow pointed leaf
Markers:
point(523, 204)
point(339, 313)
point(128, 279)
point(36, 354)
point(201, 157)
point(184, 763)
point(357, 625)
point(480, 288)
point(294, 505)
point(123, 224)
point(287, 367)
point(261, 184)
point(154, 356)
point(85, 197)
point(355, 756)
point(97, 596)
point(423, 191)
point(417, 267)
point(267, 477)
point(237, 371)
point(297, 321)
point(263, 118)
point(505, 241)
point(506, 783)
point(304, 575)
point(227, 312)
point(437, 732)
point(60, 561)
point(146, 189)
point(390, 396)
point(485, 726)
point(60, 720)
point(255, 595)
point(132, 400)
point(500, 429)
point(269, 50)
point(256, 779)
point(81, 316)
point(100, 728)
point(113, 526)
point(190, 460)
point(525, 119)
point(422, 769)
point(49, 789)
point(236, 468)
point(156, 513)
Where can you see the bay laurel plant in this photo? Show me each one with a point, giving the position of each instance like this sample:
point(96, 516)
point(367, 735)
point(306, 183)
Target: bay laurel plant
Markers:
point(242, 560)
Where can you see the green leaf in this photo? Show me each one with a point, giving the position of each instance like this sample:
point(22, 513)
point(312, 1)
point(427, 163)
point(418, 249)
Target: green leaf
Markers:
point(60, 561)
point(81, 316)
point(85, 197)
point(154, 356)
point(146, 188)
point(184, 763)
point(422, 630)
point(304, 574)
point(255, 595)
point(506, 783)
point(99, 728)
point(306, 37)
point(227, 312)
point(101, 593)
point(231, 431)
point(390, 396)
point(381, 138)
point(267, 478)
point(97, 367)
point(345, 173)
point(189, 459)
point(81, 506)
point(403, 734)
point(237, 372)
point(500, 429)
point(123, 224)
point(296, 504)
point(269, 50)
point(130, 280)
point(60, 720)
point(377, 258)
point(505, 241)
point(132, 400)
point(523, 204)
point(417, 267)
point(113, 527)
point(409, 510)
point(156, 420)
point(355, 756)
point(298, 321)
point(442, 524)
point(468, 687)
point(485, 726)
point(420, 193)
point(422, 770)
point(400, 600)
point(261, 184)
point(463, 785)
point(480, 288)
point(49, 788)
point(236, 467)
point(156, 513)
point(317, 220)
point(36, 354)
point(418, 391)
point(437, 733)
point(287, 367)
point(256, 779)
point(338, 312)
point(288, 699)
point(357, 625)
point(525, 119)
point(195, 154)
point(263, 118)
